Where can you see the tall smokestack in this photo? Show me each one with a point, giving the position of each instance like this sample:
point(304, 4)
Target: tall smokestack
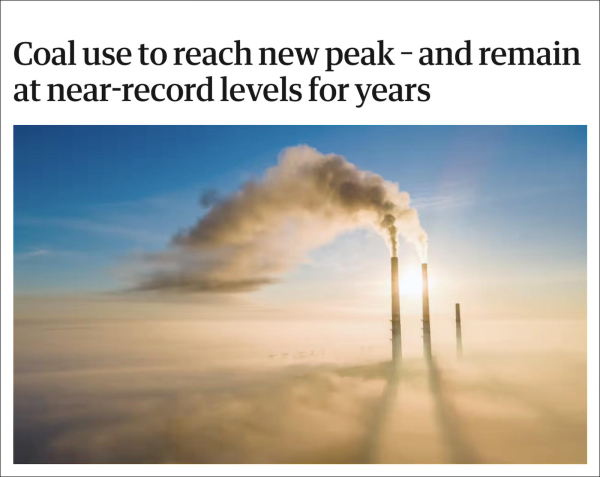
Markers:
point(458, 331)
point(396, 330)
point(426, 327)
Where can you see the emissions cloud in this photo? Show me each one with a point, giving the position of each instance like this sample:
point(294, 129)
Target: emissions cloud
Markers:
point(252, 237)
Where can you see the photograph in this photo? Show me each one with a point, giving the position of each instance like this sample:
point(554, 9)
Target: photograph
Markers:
point(300, 294)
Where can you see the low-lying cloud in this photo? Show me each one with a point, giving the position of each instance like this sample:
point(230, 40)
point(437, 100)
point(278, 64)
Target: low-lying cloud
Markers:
point(300, 414)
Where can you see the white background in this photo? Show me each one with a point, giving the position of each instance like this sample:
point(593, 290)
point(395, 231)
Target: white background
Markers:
point(459, 95)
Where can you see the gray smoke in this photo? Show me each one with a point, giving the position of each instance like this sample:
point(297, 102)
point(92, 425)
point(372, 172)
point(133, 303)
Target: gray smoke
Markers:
point(252, 237)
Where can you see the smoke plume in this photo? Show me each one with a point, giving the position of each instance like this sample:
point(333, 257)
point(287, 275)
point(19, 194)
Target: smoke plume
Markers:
point(253, 236)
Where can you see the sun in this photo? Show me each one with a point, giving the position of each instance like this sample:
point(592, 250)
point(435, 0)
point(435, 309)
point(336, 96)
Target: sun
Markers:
point(411, 283)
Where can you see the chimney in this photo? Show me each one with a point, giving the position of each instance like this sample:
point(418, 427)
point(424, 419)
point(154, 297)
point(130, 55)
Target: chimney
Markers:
point(426, 327)
point(458, 332)
point(396, 331)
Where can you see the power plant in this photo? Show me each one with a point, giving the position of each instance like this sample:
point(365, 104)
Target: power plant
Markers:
point(396, 329)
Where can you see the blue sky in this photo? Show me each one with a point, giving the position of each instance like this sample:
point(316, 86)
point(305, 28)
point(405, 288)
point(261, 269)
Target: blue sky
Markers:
point(505, 201)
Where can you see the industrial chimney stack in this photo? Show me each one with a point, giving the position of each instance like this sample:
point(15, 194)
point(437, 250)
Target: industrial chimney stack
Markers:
point(426, 326)
point(458, 331)
point(396, 331)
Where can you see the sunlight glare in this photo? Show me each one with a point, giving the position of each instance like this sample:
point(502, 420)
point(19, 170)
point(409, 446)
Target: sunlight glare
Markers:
point(411, 282)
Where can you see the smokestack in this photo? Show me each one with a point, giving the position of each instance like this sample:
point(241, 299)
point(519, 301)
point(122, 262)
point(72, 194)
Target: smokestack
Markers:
point(426, 327)
point(458, 332)
point(396, 330)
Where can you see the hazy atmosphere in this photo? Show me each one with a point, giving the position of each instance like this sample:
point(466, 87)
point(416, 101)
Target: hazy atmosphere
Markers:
point(207, 294)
